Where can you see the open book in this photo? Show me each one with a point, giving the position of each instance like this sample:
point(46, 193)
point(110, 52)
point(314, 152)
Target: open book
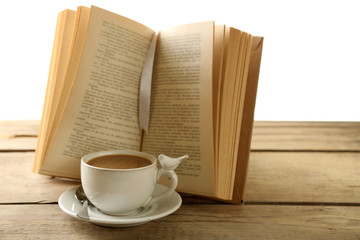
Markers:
point(203, 93)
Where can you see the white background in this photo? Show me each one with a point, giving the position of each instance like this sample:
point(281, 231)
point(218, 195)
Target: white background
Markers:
point(310, 65)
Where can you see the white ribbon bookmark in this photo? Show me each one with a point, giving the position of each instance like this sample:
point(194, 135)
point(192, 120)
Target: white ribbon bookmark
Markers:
point(145, 86)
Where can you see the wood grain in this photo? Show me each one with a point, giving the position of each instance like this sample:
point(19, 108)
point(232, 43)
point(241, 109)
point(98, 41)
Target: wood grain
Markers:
point(18, 144)
point(190, 222)
point(272, 177)
point(18, 184)
point(304, 177)
point(303, 183)
point(306, 136)
point(29, 128)
point(18, 135)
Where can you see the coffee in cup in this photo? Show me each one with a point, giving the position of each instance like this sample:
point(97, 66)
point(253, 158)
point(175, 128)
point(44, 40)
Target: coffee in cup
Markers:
point(120, 162)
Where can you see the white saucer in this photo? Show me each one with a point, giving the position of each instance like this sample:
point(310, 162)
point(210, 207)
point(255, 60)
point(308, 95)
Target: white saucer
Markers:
point(71, 205)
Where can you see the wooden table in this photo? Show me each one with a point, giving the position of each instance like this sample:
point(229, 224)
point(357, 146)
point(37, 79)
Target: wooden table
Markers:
point(303, 183)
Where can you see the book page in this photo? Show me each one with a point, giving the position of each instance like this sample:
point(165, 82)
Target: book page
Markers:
point(61, 49)
point(102, 109)
point(247, 120)
point(181, 104)
point(232, 105)
point(218, 63)
point(239, 97)
point(61, 84)
point(71, 65)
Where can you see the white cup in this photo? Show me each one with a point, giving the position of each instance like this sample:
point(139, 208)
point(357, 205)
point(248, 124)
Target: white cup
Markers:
point(123, 191)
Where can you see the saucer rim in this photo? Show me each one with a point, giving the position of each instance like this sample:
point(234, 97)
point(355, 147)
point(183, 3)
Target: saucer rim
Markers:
point(120, 221)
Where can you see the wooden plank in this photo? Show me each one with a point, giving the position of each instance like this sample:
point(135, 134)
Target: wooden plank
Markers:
point(303, 136)
point(190, 222)
point(19, 128)
point(18, 184)
point(303, 177)
point(18, 135)
point(18, 144)
point(272, 177)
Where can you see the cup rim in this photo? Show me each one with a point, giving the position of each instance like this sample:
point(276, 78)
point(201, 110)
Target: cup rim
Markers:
point(92, 155)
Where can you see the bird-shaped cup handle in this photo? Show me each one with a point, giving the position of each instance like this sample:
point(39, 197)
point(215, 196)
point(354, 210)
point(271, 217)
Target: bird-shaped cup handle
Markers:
point(168, 165)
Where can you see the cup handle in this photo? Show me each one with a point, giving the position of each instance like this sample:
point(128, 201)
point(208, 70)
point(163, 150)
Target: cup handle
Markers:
point(168, 165)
